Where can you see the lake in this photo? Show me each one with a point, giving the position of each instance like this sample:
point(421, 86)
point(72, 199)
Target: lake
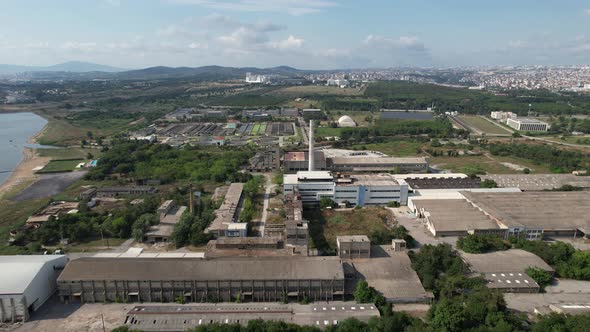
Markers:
point(392, 115)
point(15, 131)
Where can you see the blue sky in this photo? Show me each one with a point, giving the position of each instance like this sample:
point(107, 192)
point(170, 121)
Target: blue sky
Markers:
point(310, 34)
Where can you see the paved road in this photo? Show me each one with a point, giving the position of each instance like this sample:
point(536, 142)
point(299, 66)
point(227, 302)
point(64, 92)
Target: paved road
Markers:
point(269, 188)
point(415, 226)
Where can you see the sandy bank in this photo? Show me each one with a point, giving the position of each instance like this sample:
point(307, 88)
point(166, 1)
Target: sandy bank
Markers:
point(23, 173)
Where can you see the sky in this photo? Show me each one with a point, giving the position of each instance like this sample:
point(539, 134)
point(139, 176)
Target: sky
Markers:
point(307, 34)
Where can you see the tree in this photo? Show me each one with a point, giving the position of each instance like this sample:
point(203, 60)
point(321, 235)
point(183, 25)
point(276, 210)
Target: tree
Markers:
point(489, 183)
point(478, 244)
point(363, 293)
point(526, 171)
point(541, 277)
point(327, 202)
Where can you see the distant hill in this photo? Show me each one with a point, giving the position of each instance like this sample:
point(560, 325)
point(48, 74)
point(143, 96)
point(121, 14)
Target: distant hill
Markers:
point(76, 70)
point(70, 66)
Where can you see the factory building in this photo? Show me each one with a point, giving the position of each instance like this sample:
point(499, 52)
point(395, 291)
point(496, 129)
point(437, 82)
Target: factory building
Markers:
point(525, 124)
point(355, 190)
point(228, 213)
point(263, 279)
point(26, 283)
point(353, 246)
point(505, 270)
point(294, 162)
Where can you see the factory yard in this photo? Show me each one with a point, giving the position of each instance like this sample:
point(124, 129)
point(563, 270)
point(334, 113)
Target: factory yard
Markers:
point(229, 129)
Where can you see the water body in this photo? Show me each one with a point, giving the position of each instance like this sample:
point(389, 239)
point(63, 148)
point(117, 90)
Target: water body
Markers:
point(392, 115)
point(15, 131)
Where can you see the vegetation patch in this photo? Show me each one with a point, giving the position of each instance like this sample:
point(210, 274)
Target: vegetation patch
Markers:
point(61, 165)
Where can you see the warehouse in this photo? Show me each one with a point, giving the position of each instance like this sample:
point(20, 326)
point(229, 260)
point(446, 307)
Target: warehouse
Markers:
point(299, 161)
point(533, 215)
point(454, 217)
point(26, 283)
point(92, 279)
point(377, 164)
point(538, 182)
point(505, 270)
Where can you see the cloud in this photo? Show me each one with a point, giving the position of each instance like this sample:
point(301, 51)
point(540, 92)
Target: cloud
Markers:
point(402, 42)
point(292, 7)
point(290, 43)
point(586, 11)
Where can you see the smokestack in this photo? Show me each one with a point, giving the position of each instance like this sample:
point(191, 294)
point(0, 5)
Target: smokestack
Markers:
point(311, 161)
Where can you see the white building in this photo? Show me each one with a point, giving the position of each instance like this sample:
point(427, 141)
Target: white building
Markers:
point(26, 282)
point(525, 124)
point(346, 121)
point(503, 116)
point(311, 185)
point(237, 229)
point(361, 190)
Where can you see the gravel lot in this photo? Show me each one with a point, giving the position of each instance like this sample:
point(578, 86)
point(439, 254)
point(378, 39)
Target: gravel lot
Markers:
point(48, 185)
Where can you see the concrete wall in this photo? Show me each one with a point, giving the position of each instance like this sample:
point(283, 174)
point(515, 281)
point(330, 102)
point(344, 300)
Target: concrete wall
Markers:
point(200, 291)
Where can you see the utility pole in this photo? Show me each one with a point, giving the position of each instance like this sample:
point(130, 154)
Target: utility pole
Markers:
point(190, 197)
point(102, 318)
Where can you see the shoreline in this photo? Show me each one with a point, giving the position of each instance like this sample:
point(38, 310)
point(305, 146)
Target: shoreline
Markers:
point(23, 172)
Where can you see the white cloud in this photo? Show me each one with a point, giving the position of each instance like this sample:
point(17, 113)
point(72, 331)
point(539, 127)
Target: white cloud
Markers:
point(408, 42)
point(290, 43)
point(292, 7)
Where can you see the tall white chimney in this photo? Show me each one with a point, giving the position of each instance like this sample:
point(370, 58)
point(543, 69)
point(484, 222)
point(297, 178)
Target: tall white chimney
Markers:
point(311, 161)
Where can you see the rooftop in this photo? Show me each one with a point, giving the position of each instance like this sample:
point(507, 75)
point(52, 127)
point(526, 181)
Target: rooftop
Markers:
point(315, 175)
point(366, 160)
point(227, 211)
point(548, 210)
point(353, 238)
point(20, 270)
point(260, 268)
point(369, 180)
point(538, 181)
point(528, 120)
point(513, 260)
point(392, 276)
point(454, 215)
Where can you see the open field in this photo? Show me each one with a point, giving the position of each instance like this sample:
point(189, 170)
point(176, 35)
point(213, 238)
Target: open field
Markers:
point(327, 131)
point(492, 165)
point(580, 140)
point(311, 90)
point(360, 117)
point(394, 149)
point(68, 153)
point(94, 245)
point(326, 225)
point(61, 165)
point(59, 132)
point(483, 125)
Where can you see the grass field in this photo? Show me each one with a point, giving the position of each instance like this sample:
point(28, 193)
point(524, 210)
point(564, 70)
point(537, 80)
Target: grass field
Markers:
point(65, 165)
point(580, 140)
point(394, 149)
point(327, 131)
point(68, 153)
point(326, 225)
point(360, 117)
point(59, 132)
point(312, 90)
point(493, 165)
point(483, 125)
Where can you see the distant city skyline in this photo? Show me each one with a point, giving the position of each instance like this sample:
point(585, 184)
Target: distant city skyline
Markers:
point(306, 34)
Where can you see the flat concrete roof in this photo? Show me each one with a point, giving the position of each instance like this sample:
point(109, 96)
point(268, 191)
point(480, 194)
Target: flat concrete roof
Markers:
point(454, 215)
point(353, 238)
point(363, 160)
point(392, 276)
point(182, 317)
point(226, 212)
point(550, 210)
point(530, 182)
point(171, 269)
point(314, 175)
point(369, 180)
point(503, 280)
point(513, 260)
point(528, 120)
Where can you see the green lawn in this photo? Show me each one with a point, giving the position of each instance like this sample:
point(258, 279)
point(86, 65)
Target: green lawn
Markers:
point(68, 153)
point(484, 125)
point(468, 164)
point(394, 149)
point(65, 165)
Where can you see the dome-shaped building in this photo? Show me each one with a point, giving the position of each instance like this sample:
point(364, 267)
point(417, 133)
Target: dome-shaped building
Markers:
point(346, 121)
